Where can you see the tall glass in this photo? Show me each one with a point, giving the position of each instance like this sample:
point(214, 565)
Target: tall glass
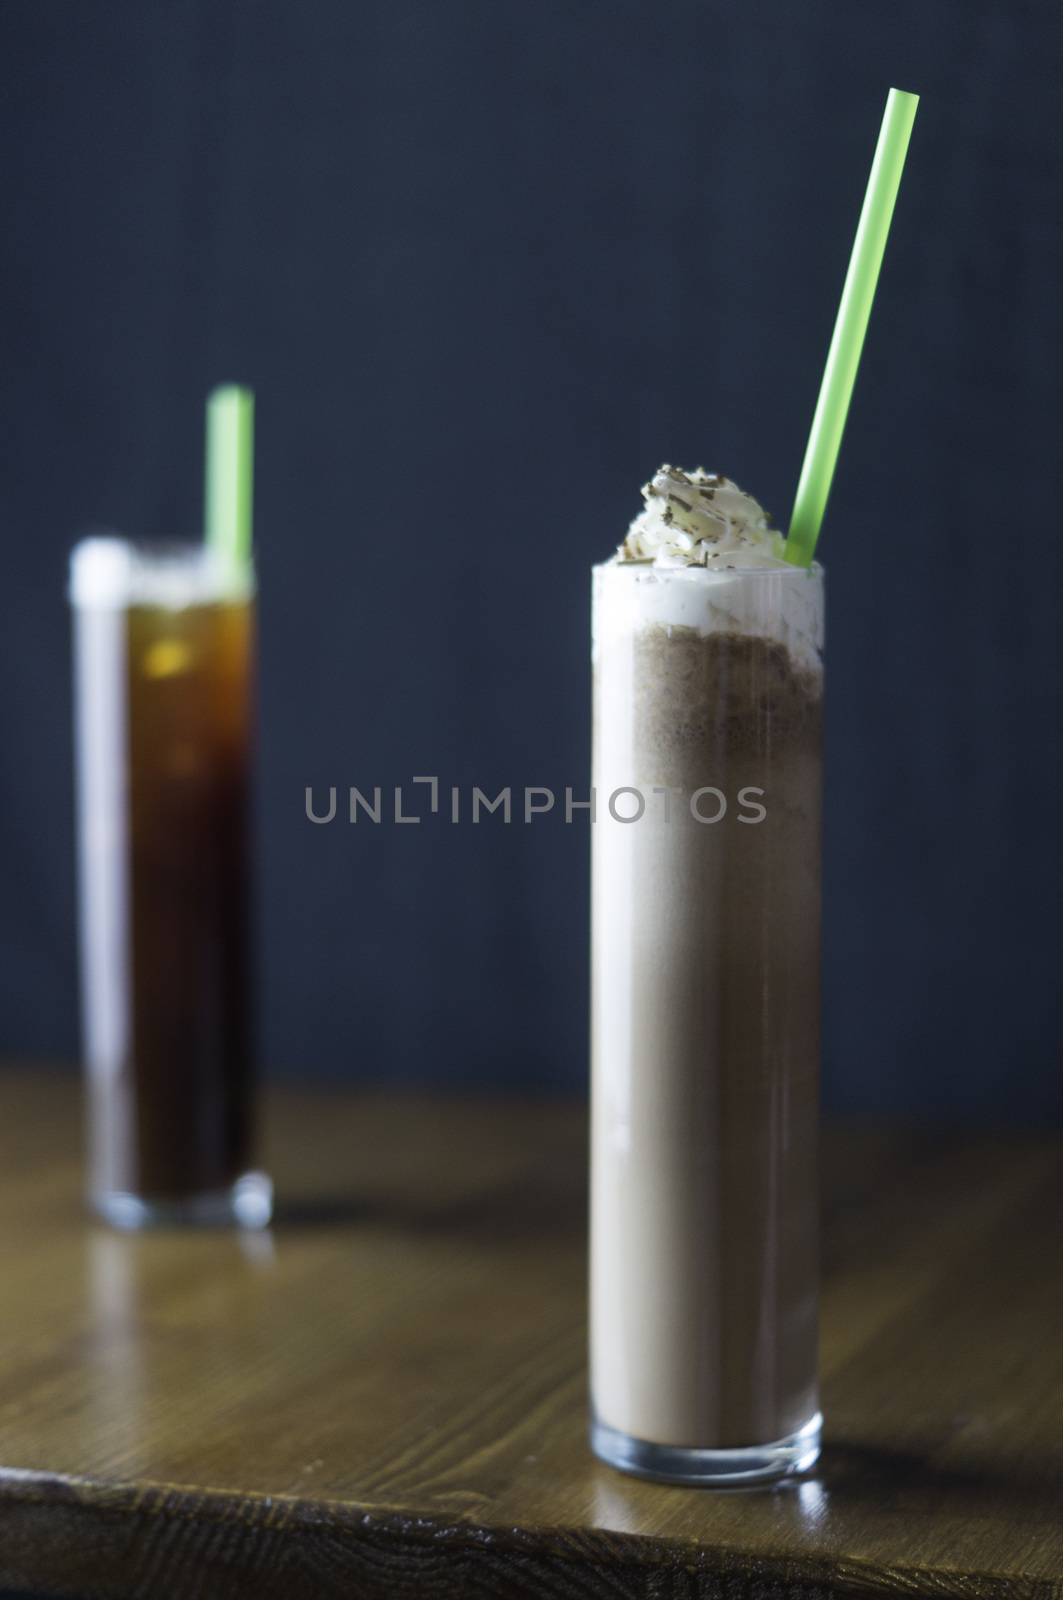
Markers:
point(705, 1020)
point(163, 639)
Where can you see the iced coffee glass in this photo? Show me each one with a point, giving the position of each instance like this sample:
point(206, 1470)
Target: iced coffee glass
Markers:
point(163, 638)
point(705, 1019)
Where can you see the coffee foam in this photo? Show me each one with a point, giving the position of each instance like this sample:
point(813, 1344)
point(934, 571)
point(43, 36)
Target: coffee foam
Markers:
point(107, 571)
point(782, 602)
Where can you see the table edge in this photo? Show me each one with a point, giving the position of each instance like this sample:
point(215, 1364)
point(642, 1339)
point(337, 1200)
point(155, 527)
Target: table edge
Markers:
point(100, 1517)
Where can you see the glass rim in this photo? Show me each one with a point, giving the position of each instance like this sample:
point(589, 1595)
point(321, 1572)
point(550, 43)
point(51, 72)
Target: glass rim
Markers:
point(687, 569)
point(113, 570)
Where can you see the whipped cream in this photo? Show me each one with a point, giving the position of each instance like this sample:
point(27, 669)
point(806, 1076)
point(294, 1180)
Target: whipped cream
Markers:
point(701, 519)
point(703, 555)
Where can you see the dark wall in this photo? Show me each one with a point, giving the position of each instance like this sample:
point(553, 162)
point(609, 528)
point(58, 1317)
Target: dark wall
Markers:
point(487, 264)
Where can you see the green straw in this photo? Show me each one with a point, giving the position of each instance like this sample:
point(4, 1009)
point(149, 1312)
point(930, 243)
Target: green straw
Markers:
point(843, 358)
point(230, 473)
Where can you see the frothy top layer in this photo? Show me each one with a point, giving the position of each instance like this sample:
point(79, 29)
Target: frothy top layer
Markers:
point(701, 519)
point(784, 603)
point(109, 571)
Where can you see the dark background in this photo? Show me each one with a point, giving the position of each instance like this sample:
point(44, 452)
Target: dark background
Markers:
point(487, 264)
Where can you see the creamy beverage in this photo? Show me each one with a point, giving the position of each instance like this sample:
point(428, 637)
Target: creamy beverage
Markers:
point(705, 1003)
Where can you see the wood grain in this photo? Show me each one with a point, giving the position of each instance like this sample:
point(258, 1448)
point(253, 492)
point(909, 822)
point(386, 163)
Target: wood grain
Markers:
point(384, 1396)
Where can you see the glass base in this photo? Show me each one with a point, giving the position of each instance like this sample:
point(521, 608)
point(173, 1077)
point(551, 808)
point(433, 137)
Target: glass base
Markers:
point(669, 1463)
point(247, 1204)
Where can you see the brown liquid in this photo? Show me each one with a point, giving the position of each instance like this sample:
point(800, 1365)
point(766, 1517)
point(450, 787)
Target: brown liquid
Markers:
point(172, 1097)
point(706, 1047)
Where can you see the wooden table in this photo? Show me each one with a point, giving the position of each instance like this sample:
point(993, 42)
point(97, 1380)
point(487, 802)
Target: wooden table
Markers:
point(384, 1396)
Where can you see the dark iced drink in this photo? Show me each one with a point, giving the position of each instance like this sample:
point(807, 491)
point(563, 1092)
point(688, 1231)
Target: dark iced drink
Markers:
point(163, 664)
